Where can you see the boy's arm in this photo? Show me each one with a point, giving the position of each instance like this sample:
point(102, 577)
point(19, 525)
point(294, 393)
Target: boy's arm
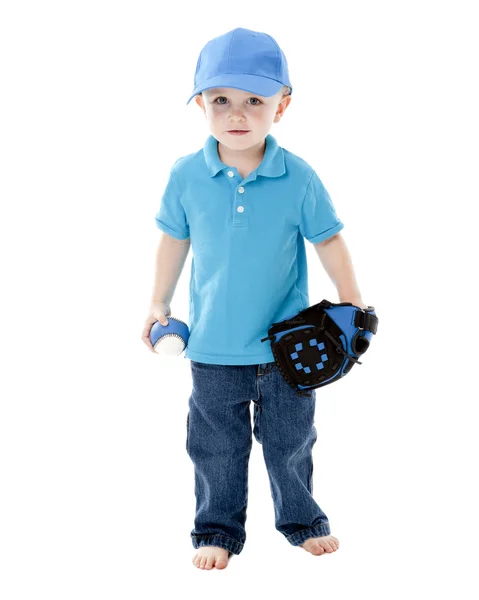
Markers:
point(170, 258)
point(336, 260)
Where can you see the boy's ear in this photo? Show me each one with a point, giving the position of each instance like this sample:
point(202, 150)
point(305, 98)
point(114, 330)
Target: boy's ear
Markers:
point(199, 101)
point(282, 106)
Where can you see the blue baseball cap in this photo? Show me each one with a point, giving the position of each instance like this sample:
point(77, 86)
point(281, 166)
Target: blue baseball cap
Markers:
point(244, 59)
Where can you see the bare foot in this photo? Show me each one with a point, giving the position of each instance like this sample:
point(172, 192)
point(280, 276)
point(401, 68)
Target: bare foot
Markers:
point(208, 557)
point(320, 545)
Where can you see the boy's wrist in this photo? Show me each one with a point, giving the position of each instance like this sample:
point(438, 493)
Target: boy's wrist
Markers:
point(155, 302)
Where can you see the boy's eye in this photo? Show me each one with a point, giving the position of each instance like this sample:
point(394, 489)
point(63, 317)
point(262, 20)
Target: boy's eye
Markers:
point(224, 98)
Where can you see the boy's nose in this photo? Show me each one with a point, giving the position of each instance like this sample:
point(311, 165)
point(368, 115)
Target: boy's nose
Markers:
point(236, 112)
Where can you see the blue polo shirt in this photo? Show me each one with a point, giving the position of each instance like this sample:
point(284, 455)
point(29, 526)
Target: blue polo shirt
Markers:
point(249, 266)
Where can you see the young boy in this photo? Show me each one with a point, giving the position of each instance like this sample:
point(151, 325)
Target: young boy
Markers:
point(245, 205)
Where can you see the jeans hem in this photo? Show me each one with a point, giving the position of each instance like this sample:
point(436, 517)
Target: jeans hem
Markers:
point(216, 539)
point(299, 537)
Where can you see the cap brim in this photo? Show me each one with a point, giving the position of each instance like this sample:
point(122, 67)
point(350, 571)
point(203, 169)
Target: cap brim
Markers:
point(263, 86)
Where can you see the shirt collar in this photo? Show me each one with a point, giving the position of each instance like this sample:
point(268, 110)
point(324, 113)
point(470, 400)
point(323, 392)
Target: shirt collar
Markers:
point(272, 164)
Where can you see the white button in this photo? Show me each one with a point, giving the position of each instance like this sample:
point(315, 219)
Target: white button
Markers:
point(231, 174)
point(241, 189)
point(240, 208)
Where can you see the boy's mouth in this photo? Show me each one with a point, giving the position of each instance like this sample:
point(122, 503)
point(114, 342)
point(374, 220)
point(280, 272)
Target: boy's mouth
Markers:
point(238, 131)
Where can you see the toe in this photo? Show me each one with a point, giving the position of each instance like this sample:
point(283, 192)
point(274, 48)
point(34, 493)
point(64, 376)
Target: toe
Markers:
point(331, 544)
point(317, 549)
point(328, 546)
point(203, 562)
point(210, 562)
point(220, 562)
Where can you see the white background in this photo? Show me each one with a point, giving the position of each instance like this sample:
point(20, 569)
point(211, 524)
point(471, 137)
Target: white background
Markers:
point(97, 493)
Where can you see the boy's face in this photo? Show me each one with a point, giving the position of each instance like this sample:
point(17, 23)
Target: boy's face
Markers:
point(229, 108)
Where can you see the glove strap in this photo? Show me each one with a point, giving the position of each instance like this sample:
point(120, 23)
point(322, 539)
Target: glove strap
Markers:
point(366, 320)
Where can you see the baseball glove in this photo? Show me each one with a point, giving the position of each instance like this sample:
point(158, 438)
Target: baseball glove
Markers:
point(321, 343)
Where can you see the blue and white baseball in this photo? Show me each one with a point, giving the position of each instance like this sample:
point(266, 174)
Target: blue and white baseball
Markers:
point(171, 339)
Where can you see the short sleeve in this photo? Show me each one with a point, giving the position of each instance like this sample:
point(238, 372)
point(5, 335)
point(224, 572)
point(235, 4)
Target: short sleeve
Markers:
point(171, 217)
point(318, 216)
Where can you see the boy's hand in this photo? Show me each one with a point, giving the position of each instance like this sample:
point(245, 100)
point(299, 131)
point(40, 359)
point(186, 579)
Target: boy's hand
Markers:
point(158, 312)
point(355, 301)
point(360, 304)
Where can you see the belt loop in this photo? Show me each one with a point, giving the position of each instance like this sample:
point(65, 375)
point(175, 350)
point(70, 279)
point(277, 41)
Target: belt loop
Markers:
point(264, 368)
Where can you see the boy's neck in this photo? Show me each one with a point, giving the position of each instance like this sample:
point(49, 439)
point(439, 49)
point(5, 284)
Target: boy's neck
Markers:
point(241, 158)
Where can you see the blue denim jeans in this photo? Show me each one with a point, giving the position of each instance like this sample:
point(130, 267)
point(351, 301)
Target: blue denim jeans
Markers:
point(219, 443)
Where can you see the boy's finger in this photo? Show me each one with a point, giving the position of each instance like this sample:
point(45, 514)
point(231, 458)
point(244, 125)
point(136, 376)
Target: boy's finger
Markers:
point(150, 347)
point(145, 336)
